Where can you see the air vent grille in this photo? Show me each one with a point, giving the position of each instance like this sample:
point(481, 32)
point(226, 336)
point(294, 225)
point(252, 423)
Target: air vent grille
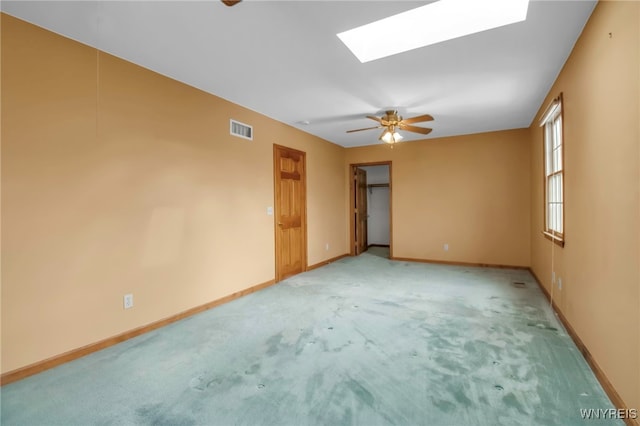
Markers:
point(241, 130)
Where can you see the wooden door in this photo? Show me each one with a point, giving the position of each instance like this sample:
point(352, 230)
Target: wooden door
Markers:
point(290, 211)
point(361, 215)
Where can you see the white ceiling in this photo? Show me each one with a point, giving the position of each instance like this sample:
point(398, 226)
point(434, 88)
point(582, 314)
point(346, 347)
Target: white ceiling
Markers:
point(283, 59)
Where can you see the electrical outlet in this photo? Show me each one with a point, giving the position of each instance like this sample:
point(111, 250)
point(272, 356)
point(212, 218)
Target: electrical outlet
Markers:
point(326, 247)
point(446, 247)
point(128, 301)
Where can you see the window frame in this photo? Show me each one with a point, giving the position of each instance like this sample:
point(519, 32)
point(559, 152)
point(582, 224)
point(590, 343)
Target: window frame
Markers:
point(553, 112)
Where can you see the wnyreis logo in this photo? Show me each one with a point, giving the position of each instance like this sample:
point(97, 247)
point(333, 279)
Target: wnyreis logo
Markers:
point(608, 413)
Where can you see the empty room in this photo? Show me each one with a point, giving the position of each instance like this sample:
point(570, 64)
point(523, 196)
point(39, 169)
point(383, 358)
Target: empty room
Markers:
point(320, 212)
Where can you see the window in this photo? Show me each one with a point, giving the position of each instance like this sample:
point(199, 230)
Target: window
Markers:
point(554, 172)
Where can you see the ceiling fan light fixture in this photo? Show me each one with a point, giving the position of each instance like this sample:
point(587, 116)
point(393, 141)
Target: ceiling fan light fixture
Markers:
point(391, 136)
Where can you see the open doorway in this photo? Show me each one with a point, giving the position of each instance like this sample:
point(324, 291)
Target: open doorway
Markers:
point(370, 219)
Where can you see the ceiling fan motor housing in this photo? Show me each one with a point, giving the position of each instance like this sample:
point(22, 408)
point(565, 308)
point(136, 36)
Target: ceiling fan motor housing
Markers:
point(392, 116)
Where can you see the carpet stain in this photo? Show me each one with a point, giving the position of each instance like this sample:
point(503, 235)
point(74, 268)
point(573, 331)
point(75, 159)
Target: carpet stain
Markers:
point(253, 369)
point(344, 346)
point(273, 344)
point(391, 304)
point(202, 382)
point(347, 417)
point(458, 394)
point(511, 401)
point(313, 384)
point(542, 326)
point(361, 392)
point(450, 364)
point(197, 383)
point(230, 380)
point(304, 339)
point(154, 414)
point(444, 405)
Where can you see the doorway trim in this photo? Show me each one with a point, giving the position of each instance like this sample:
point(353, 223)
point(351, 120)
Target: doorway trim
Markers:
point(352, 189)
point(276, 210)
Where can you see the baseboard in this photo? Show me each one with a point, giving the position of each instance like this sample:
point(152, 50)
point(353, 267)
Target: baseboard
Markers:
point(611, 392)
point(378, 245)
point(326, 262)
point(450, 262)
point(40, 366)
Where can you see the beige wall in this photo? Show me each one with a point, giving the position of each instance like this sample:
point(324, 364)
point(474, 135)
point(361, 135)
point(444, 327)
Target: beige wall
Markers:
point(599, 266)
point(471, 192)
point(130, 183)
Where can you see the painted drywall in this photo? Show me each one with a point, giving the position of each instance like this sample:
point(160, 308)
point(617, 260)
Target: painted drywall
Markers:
point(599, 264)
point(378, 210)
point(118, 180)
point(470, 192)
point(376, 174)
point(377, 205)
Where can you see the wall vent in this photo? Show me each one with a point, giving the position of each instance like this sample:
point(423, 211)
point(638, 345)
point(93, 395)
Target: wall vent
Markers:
point(240, 130)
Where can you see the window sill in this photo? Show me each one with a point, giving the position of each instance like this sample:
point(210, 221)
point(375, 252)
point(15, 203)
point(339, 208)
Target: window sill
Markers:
point(549, 236)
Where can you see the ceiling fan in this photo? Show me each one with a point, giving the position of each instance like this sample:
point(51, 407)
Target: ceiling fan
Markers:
point(392, 122)
point(231, 2)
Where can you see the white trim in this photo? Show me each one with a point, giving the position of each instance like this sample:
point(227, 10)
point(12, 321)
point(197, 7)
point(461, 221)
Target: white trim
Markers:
point(552, 110)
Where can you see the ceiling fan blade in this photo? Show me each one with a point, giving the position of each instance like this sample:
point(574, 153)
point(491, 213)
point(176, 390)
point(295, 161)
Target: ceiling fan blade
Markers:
point(415, 129)
point(231, 2)
point(418, 119)
point(366, 128)
point(374, 118)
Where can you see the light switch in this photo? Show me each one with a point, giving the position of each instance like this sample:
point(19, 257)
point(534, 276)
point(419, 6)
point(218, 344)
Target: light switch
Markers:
point(270, 211)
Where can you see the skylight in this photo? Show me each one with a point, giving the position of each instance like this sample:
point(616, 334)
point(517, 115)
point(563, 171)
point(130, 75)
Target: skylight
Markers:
point(430, 24)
